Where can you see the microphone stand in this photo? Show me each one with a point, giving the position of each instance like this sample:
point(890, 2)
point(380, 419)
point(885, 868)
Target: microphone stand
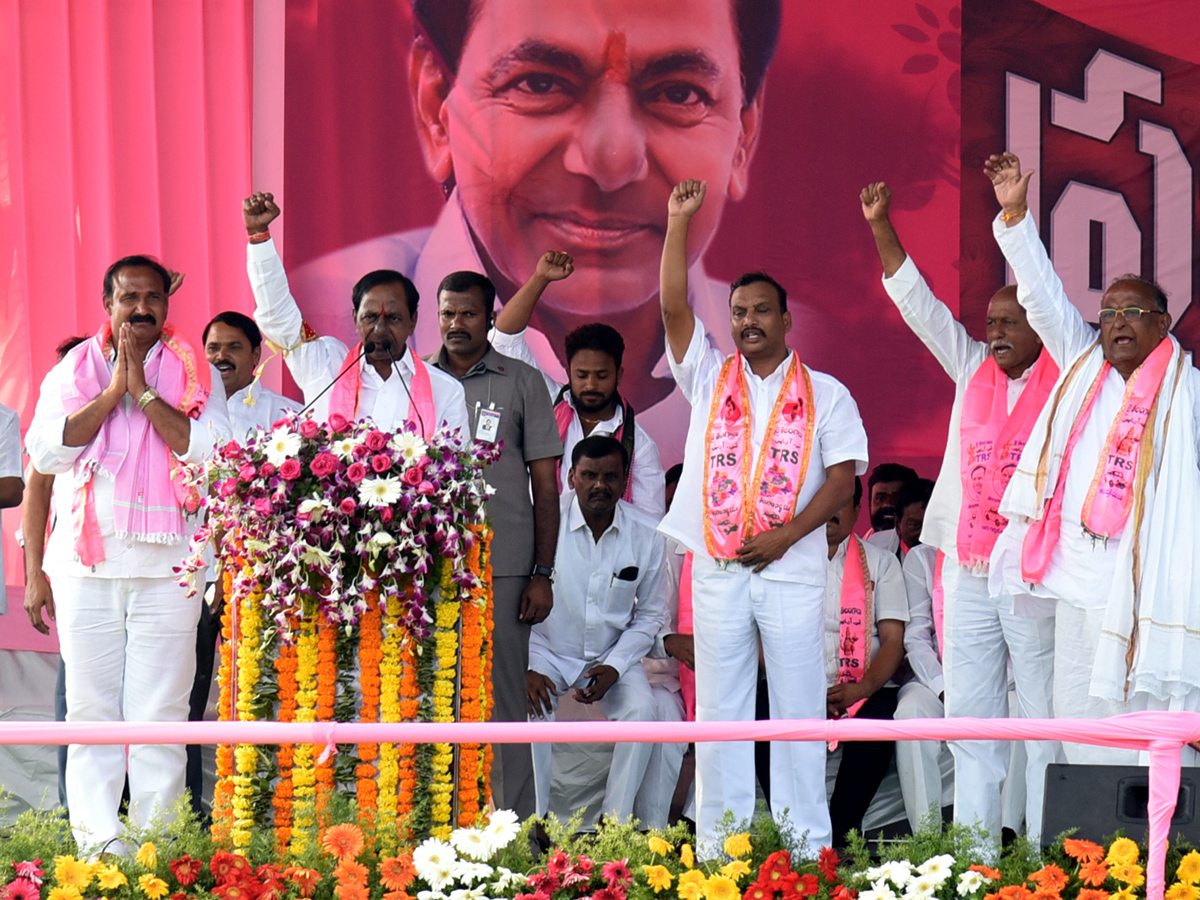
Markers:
point(396, 368)
point(369, 347)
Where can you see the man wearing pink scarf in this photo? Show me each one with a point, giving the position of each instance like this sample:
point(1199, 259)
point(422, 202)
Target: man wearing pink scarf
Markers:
point(114, 422)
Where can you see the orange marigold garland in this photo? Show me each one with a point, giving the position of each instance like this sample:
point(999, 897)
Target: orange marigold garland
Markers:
point(410, 707)
point(370, 657)
point(391, 667)
point(222, 804)
point(285, 667)
point(473, 705)
point(303, 769)
point(326, 697)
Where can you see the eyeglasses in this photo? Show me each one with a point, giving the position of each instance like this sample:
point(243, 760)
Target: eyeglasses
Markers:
point(1129, 313)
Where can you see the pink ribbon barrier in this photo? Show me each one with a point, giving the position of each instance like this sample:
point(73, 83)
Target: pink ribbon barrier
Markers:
point(1161, 734)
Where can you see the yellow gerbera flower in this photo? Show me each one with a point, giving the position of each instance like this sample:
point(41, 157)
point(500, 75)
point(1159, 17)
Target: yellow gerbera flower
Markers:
point(109, 877)
point(1122, 852)
point(690, 892)
point(1125, 893)
point(686, 856)
point(1181, 891)
point(658, 846)
point(147, 855)
point(738, 845)
point(735, 869)
point(721, 887)
point(692, 877)
point(153, 886)
point(1189, 868)
point(1130, 873)
point(657, 877)
point(64, 892)
point(72, 872)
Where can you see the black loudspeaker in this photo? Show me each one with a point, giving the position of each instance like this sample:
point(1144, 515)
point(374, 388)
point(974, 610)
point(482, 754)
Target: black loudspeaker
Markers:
point(1100, 800)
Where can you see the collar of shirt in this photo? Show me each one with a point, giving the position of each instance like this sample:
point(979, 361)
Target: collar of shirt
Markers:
point(839, 555)
point(604, 426)
point(576, 521)
point(778, 373)
point(371, 377)
point(491, 361)
point(112, 357)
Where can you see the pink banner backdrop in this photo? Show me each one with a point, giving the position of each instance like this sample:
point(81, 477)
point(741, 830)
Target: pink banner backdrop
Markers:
point(1161, 734)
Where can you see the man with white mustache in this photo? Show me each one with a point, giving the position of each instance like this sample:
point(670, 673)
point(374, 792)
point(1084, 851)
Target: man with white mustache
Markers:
point(1001, 385)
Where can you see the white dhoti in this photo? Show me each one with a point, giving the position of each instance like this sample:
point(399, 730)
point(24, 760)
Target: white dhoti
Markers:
point(917, 761)
point(732, 610)
point(129, 649)
point(629, 700)
point(982, 633)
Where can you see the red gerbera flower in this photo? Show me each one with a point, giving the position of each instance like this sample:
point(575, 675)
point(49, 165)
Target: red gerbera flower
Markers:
point(21, 889)
point(558, 864)
point(827, 864)
point(186, 870)
point(760, 890)
point(304, 879)
point(844, 893)
point(616, 872)
point(235, 890)
point(30, 870)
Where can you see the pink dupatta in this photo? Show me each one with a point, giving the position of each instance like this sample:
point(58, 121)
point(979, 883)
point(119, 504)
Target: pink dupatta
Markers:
point(344, 396)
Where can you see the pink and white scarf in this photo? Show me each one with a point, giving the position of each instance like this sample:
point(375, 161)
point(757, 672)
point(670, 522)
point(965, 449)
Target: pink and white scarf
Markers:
point(148, 500)
point(345, 394)
point(857, 618)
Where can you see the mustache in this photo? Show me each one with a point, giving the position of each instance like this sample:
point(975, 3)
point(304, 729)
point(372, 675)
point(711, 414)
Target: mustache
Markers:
point(136, 318)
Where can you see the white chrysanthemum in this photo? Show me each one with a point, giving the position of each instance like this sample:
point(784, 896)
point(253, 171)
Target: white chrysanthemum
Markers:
point(969, 882)
point(281, 446)
point(503, 826)
point(897, 871)
point(471, 842)
point(434, 862)
point(471, 872)
point(409, 445)
point(379, 491)
point(938, 867)
point(345, 448)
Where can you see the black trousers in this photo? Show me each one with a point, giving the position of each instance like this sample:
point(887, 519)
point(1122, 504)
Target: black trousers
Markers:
point(863, 767)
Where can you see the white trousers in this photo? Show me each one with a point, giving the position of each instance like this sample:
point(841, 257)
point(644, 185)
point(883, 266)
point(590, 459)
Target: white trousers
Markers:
point(652, 806)
point(129, 648)
point(917, 761)
point(981, 634)
point(732, 610)
point(629, 700)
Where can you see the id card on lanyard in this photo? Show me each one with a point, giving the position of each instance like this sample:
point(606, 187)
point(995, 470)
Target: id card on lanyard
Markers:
point(487, 424)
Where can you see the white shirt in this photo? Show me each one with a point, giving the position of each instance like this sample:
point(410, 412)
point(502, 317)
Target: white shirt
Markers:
point(598, 617)
point(889, 600)
point(838, 436)
point(10, 467)
point(265, 409)
point(648, 490)
point(887, 540)
point(48, 453)
point(314, 364)
point(426, 255)
point(961, 356)
point(920, 635)
point(1081, 571)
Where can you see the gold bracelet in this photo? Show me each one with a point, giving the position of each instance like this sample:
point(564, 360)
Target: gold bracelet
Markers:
point(148, 396)
point(1008, 217)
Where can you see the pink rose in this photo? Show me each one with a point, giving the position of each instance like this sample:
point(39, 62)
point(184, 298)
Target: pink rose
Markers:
point(337, 422)
point(246, 472)
point(361, 451)
point(263, 506)
point(376, 441)
point(233, 450)
point(411, 476)
point(324, 464)
point(309, 429)
point(281, 423)
point(348, 506)
point(228, 486)
point(425, 487)
point(267, 470)
point(290, 470)
point(381, 462)
point(356, 472)
point(385, 515)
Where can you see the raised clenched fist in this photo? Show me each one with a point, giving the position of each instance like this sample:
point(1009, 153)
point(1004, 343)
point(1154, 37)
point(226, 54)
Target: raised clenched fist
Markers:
point(259, 211)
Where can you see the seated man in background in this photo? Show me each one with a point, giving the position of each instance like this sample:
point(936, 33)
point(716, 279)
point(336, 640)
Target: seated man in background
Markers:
point(611, 592)
point(589, 402)
point(865, 611)
point(910, 500)
point(233, 344)
point(883, 484)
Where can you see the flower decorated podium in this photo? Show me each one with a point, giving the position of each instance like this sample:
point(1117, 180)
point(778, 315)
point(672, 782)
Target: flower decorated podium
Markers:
point(354, 565)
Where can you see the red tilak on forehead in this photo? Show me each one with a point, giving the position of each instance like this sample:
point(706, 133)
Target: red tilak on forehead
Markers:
point(616, 58)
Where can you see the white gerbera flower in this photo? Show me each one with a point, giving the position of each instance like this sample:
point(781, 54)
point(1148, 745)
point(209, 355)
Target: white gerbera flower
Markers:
point(434, 862)
point(470, 872)
point(937, 867)
point(880, 890)
point(508, 879)
point(969, 882)
point(503, 826)
point(379, 491)
point(471, 842)
point(898, 872)
point(281, 446)
point(472, 894)
point(313, 507)
point(922, 887)
point(345, 448)
point(431, 895)
point(409, 445)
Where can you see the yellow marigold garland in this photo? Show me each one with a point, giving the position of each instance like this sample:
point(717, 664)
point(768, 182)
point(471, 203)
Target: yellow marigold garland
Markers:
point(326, 697)
point(391, 667)
point(222, 805)
point(249, 656)
point(445, 641)
point(285, 667)
point(304, 783)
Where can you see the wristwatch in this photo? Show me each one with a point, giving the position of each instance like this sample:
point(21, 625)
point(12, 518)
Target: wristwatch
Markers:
point(544, 570)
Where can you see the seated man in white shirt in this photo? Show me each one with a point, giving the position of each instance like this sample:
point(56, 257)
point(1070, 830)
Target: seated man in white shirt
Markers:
point(921, 697)
point(233, 344)
point(910, 503)
point(385, 314)
point(883, 485)
point(865, 611)
point(610, 596)
point(589, 402)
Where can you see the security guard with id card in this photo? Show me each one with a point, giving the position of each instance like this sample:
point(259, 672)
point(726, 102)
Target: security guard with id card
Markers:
point(507, 405)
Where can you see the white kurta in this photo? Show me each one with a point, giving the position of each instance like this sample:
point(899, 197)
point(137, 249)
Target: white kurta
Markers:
point(735, 610)
point(314, 364)
point(264, 409)
point(648, 488)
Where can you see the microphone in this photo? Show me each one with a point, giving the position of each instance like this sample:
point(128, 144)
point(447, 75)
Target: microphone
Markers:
point(369, 347)
point(387, 345)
